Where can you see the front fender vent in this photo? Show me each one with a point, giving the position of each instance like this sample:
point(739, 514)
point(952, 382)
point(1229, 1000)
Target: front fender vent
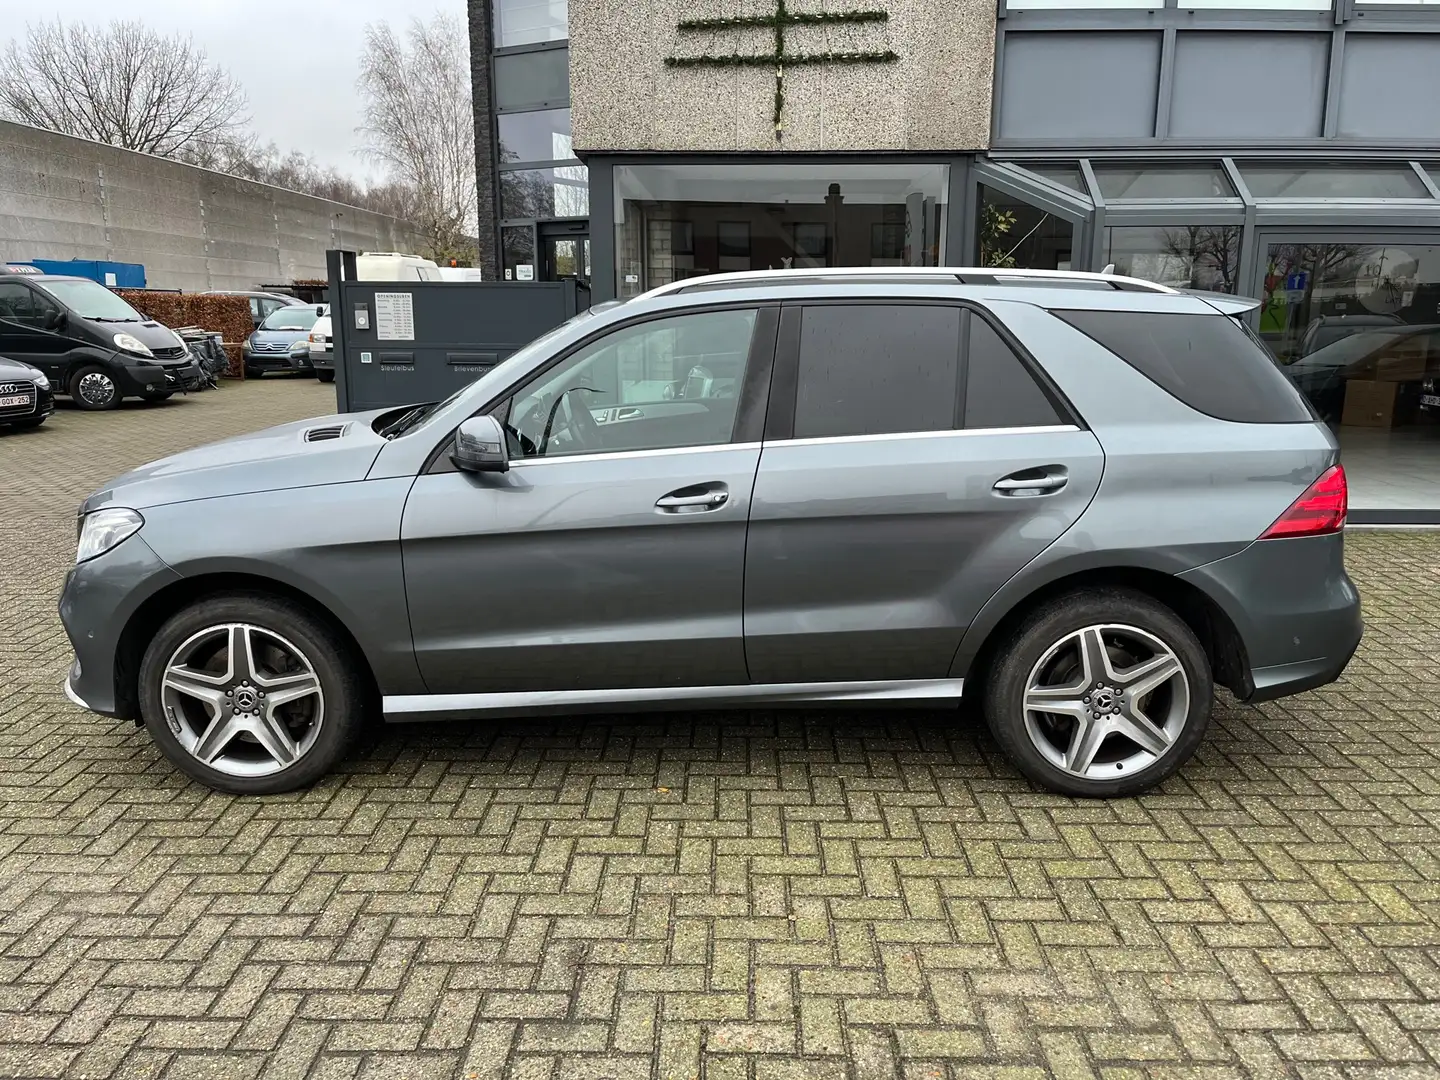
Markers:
point(325, 434)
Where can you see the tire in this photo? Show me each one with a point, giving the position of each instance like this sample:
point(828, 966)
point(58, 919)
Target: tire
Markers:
point(88, 389)
point(325, 376)
point(253, 373)
point(251, 757)
point(1042, 663)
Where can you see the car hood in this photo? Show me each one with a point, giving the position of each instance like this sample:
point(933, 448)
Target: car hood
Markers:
point(335, 449)
point(15, 371)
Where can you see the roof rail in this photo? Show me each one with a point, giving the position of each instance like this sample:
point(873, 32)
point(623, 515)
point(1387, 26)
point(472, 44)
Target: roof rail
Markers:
point(1002, 275)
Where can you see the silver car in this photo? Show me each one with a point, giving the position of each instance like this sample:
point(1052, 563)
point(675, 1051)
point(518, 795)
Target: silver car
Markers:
point(1081, 501)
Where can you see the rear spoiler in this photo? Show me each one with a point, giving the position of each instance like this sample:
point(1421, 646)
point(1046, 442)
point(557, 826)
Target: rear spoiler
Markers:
point(1225, 303)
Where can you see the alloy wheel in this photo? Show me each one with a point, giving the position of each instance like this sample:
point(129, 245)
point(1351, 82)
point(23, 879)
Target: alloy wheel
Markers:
point(97, 388)
point(242, 700)
point(1106, 701)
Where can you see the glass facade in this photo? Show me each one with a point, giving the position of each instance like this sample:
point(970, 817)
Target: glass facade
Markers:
point(1348, 300)
point(1181, 256)
point(529, 22)
point(682, 221)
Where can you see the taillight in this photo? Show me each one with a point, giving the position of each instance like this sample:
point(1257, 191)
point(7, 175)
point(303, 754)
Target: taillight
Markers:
point(1319, 511)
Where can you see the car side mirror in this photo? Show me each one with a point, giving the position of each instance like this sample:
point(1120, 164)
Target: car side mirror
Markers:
point(54, 320)
point(480, 446)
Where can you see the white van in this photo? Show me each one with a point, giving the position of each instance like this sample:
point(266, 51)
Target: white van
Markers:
point(393, 266)
point(460, 273)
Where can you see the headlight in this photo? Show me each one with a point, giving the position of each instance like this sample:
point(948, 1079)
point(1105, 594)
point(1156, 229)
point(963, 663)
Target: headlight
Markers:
point(131, 344)
point(41, 381)
point(101, 530)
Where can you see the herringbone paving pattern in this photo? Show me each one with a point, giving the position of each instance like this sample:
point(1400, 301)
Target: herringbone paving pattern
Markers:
point(776, 895)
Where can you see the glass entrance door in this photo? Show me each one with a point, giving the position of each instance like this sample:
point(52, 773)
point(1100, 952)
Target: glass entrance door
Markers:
point(565, 257)
point(1354, 319)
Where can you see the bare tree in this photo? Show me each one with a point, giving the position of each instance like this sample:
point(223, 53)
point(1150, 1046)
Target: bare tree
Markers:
point(1208, 255)
point(121, 84)
point(419, 124)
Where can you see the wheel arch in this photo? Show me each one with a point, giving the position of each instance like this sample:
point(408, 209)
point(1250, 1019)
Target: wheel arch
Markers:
point(147, 619)
point(1223, 644)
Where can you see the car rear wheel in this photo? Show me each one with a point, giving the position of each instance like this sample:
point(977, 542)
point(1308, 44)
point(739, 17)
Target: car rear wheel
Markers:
point(1100, 693)
point(93, 388)
point(325, 376)
point(251, 695)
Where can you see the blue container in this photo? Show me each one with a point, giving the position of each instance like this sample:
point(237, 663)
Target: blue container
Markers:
point(126, 275)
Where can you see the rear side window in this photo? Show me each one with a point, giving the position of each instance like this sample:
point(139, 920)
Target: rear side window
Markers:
point(1000, 392)
point(877, 369)
point(1207, 361)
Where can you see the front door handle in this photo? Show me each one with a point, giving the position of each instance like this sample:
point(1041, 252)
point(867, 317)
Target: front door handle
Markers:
point(697, 499)
point(1028, 483)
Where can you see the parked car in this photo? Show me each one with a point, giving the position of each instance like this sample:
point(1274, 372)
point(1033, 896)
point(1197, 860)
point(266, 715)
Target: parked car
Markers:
point(1326, 330)
point(322, 355)
point(1084, 505)
point(276, 345)
point(1366, 354)
point(262, 304)
point(89, 342)
point(26, 400)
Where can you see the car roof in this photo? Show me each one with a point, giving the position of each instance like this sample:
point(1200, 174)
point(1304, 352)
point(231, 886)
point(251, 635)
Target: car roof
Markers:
point(45, 277)
point(1058, 289)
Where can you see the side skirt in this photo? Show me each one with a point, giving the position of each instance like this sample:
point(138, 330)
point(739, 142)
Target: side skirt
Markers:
point(417, 707)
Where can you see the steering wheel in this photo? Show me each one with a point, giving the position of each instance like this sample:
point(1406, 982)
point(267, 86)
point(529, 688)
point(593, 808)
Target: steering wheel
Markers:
point(580, 422)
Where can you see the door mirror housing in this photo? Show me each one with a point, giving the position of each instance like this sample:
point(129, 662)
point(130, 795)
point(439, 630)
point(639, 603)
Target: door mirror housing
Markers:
point(480, 446)
point(54, 319)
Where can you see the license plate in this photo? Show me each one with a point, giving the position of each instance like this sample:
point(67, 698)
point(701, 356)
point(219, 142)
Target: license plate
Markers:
point(18, 399)
point(1430, 399)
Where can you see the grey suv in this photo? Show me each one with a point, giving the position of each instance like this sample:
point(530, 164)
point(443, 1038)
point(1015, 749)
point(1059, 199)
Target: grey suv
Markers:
point(1080, 500)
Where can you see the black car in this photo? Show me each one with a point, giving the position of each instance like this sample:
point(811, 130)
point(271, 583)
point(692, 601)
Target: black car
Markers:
point(26, 400)
point(89, 342)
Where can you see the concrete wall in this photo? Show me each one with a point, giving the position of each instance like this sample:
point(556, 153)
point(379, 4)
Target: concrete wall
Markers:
point(936, 96)
point(66, 198)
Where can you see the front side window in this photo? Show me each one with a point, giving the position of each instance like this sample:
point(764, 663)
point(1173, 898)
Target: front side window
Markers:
point(658, 385)
point(16, 303)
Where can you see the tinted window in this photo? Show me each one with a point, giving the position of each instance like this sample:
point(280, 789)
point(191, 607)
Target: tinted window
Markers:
point(533, 79)
point(657, 385)
point(1000, 392)
point(15, 302)
point(1207, 361)
point(875, 369)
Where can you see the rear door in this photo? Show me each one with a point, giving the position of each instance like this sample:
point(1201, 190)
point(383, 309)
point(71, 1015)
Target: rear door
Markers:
point(913, 462)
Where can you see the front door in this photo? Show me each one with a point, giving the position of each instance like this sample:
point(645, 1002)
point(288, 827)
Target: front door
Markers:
point(24, 335)
point(565, 256)
point(611, 554)
point(918, 466)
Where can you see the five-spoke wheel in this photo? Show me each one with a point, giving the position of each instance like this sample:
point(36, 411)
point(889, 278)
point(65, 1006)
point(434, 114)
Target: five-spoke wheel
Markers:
point(250, 694)
point(1103, 692)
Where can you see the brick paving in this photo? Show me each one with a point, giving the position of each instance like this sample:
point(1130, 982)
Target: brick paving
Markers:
point(773, 896)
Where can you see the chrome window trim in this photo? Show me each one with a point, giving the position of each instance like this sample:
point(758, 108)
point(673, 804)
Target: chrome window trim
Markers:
point(826, 440)
point(628, 455)
point(429, 706)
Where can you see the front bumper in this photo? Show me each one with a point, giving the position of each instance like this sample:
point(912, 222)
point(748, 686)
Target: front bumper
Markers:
point(278, 361)
point(322, 360)
point(1296, 610)
point(98, 600)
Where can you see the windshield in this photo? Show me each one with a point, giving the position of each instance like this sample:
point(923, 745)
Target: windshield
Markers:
point(90, 300)
point(290, 318)
point(1352, 347)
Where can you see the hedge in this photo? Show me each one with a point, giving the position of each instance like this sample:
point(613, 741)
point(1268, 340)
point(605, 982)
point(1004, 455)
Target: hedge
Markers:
point(228, 316)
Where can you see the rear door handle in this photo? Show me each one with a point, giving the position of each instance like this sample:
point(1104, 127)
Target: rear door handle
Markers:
point(1028, 483)
point(698, 499)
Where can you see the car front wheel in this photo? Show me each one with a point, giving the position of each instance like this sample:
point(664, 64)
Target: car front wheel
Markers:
point(251, 695)
point(1104, 692)
point(93, 388)
point(325, 376)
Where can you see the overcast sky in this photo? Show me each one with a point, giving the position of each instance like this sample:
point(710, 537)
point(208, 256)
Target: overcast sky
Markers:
point(296, 59)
